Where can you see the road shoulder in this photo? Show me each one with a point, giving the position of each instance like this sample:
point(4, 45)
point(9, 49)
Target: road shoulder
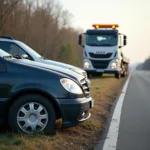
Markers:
point(109, 136)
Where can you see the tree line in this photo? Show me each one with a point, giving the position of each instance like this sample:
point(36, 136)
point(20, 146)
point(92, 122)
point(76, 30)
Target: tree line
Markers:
point(145, 65)
point(44, 25)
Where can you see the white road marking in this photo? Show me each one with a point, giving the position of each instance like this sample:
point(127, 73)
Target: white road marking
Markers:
point(112, 135)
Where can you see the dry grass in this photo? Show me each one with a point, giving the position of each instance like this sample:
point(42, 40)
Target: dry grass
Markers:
point(83, 137)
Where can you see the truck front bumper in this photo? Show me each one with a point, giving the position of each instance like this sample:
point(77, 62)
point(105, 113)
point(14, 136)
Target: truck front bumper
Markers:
point(102, 71)
point(103, 66)
point(75, 111)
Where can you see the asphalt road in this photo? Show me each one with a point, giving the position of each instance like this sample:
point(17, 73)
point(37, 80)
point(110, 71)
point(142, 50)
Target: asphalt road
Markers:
point(134, 129)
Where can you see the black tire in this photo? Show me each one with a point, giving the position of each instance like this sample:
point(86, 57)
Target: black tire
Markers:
point(19, 102)
point(125, 72)
point(100, 74)
point(117, 75)
point(123, 75)
point(89, 75)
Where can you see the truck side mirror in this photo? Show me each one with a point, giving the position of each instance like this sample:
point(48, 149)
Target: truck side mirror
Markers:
point(80, 40)
point(125, 42)
point(125, 37)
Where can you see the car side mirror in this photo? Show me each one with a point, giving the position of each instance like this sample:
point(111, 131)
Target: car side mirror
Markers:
point(24, 56)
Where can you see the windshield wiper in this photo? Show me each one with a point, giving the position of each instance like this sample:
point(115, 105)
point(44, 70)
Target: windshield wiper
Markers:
point(100, 45)
point(7, 56)
point(106, 45)
point(93, 44)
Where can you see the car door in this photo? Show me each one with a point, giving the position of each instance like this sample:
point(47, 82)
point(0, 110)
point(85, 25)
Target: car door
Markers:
point(5, 85)
point(5, 88)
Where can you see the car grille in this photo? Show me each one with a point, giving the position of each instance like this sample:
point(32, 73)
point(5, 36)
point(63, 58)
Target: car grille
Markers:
point(108, 55)
point(100, 64)
point(85, 87)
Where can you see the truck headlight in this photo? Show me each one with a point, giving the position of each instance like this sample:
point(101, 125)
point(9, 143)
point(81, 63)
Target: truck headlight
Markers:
point(114, 65)
point(71, 86)
point(86, 64)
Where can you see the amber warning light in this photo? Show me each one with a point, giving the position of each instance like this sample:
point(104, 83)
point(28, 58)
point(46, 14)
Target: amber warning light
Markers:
point(113, 26)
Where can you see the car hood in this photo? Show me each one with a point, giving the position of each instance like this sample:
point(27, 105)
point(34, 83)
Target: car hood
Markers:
point(65, 66)
point(50, 67)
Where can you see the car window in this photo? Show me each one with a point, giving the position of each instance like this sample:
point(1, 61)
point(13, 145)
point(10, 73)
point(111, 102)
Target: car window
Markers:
point(29, 49)
point(13, 49)
point(2, 67)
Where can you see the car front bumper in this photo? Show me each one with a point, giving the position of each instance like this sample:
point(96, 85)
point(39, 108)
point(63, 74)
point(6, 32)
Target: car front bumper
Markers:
point(75, 111)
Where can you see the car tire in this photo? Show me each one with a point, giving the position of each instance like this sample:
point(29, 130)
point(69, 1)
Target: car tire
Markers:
point(32, 113)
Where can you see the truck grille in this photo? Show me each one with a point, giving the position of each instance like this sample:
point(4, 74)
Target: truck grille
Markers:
point(100, 64)
point(85, 87)
point(108, 55)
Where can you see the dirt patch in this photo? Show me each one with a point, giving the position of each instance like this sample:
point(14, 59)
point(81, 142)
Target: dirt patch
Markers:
point(83, 137)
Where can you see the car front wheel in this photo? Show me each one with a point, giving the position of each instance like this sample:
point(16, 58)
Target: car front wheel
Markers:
point(32, 113)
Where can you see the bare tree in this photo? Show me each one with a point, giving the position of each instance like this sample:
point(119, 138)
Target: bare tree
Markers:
point(44, 25)
point(6, 6)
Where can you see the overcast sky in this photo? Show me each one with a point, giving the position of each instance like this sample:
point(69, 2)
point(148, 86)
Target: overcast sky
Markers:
point(133, 16)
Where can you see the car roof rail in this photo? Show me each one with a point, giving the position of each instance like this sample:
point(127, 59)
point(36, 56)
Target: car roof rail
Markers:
point(7, 37)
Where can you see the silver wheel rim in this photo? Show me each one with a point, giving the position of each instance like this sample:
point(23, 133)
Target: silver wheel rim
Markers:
point(32, 117)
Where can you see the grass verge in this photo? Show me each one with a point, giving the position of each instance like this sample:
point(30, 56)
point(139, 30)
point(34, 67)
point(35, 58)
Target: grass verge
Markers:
point(83, 137)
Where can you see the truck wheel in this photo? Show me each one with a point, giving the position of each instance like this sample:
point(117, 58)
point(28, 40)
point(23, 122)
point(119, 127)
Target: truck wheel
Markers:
point(100, 74)
point(32, 113)
point(89, 75)
point(127, 71)
point(118, 75)
point(124, 74)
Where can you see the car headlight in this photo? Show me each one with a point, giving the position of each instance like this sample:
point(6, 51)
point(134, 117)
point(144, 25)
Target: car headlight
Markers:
point(71, 86)
point(114, 65)
point(86, 64)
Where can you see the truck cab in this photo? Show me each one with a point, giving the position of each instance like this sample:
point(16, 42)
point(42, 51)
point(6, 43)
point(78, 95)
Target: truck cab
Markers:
point(103, 50)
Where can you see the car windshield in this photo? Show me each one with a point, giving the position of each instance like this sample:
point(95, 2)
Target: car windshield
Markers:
point(29, 49)
point(101, 40)
point(3, 54)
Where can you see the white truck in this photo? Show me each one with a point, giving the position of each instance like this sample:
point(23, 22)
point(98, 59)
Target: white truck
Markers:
point(103, 50)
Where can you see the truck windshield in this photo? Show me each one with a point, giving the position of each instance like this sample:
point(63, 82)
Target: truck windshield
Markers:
point(101, 40)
